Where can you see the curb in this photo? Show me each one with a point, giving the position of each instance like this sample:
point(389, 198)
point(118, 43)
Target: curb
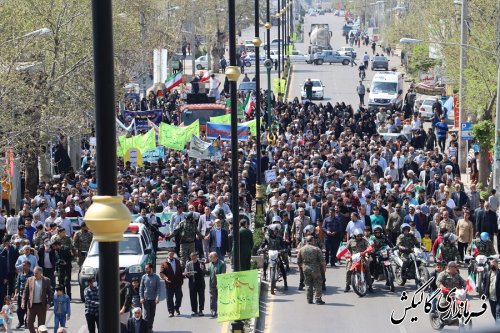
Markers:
point(259, 323)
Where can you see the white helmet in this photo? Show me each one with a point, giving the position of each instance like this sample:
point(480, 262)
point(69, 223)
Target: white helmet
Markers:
point(277, 219)
point(309, 229)
point(275, 227)
point(357, 232)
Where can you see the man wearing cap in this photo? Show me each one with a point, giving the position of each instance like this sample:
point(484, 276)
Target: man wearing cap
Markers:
point(43, 329)
point(81, 242)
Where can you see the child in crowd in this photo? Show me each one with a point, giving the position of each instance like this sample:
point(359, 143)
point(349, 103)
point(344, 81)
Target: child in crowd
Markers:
point(6, 315)
point(134, 291)
point(62, 310)
point(427, 244)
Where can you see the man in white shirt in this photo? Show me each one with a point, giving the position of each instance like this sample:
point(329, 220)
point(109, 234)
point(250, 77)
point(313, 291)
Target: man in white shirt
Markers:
point(221, 205)
point(12, 223)
point(65, 222)
point(205, 224)
point(214, 87)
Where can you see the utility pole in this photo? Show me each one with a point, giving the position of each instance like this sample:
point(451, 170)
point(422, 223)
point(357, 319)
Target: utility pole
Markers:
point(496, 169)
point(462, 155)
point(143, 37)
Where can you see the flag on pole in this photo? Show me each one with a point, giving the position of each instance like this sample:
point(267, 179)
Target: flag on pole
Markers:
point(154, 127)
point(249, 104)
point(173, 81)
point(342, 251)
point(439, 255)
point(470, 284)
point(408, 186)
point(474, 251)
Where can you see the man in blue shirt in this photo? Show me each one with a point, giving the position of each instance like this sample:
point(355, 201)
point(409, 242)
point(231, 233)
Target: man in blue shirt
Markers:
point(150, 294)
point(332, 227)
point(441, 133)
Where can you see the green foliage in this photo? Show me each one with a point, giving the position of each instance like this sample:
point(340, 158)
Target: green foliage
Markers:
point(419, 60)
point(484, 131)
point(258, 236)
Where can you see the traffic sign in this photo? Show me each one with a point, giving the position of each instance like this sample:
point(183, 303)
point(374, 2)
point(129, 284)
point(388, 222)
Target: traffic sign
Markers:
point(466, 129)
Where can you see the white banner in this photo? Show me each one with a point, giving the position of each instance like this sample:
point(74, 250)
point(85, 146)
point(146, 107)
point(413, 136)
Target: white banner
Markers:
point(202, 150)
point(132, 123)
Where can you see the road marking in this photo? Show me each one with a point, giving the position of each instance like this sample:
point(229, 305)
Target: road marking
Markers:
point(269, 315)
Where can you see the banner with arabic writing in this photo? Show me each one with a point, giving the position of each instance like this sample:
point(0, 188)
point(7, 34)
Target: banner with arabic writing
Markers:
point(238, 295)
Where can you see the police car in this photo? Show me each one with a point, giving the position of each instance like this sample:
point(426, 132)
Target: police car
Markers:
point(135, 251)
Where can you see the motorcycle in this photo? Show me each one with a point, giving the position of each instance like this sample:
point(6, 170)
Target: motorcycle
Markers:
point(480, 266)
point(384, 266)
point(458, 297)
point(358, 269)
point(415, 270)
point(273, 258)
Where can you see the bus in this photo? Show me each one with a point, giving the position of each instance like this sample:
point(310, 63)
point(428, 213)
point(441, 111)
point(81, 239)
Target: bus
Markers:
point(202, 112)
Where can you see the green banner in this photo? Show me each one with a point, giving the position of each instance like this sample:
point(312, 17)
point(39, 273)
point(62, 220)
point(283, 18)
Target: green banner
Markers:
point(238, 295)
point(224, 119)
point(143, 142)
point(252, 125)
point(176, 137)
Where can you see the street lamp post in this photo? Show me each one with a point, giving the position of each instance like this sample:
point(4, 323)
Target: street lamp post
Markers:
point(278, 15)
point(107, 217)
point(284, 23)
point(259, 195)
point(232, 74)
point(268, 38)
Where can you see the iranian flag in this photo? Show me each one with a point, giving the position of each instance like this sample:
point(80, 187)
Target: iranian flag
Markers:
point(439, 255)
point(173, 81)
point(342, 250)
point(205, 77)
point(470, 284)
point(474, 251)
point(249, 104)
point(408, 186)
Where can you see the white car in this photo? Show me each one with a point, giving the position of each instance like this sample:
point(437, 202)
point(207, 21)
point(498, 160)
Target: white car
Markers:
point(318, 90)
point(201, 62)
point(298, 56)
point(347, 51)
point(424, 107)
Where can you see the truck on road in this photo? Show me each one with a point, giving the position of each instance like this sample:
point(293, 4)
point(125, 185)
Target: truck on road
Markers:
point(319, 39)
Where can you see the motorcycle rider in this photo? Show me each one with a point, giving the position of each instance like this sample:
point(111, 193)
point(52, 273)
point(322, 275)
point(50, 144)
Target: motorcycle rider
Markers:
point(283, 235)
point(273, 242)
point(357, 245)
point(449, 251)
point(405, 243)
point(440, 266)
point(484, 247)
point(449, 279)
point(362, 71)
point(310, 231)
point(379, 242)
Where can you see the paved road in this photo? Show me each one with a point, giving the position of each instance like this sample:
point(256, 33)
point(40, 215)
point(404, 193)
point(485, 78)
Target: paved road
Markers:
point(340, 80)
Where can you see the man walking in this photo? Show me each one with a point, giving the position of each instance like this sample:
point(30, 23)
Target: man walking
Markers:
point(171, 273)
point(150, 294)
point(216, 266)
point(246, 245)
point(91, 305)
point(37, 297)
point(361, 92)
point(21, 280)
point(218, 240)
point(195, 272)
point(332, 227)
point(308, 86)
point(310, 260)
point(441, 131)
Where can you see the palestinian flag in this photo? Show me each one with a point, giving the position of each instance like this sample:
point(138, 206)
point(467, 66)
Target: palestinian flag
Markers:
point(249, 104)
point(470, 284)
point(474, 251)
point(205, 77)
point(439, 255)
point(342, 250)
point(173, 81)
point(408, 187)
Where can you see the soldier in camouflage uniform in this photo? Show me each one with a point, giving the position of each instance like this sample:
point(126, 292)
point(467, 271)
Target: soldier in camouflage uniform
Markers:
point(310, 231)
point(63, 265)
point(81, 241)
point(450, 278)
point(62, 238)
point(357, 245)
point(187, 231)
point(405, 243)
point(39, 237)
point(379, 242)
point(449, 251)
point(484, 247)
point(272, 241)
point(311, 262)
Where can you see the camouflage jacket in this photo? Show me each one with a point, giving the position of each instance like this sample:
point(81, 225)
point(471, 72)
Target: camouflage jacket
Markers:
point(354, 246)
point(445, 279)
point(484, 248)
point(379, 243)
point(187, 231)
point(310, 258)
point(82, 241)
point(449, 252)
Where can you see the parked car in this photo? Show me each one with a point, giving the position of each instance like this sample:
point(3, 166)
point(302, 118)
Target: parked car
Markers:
point(249, 59)
point(247, 86)
point(380, 62)
point(201, 62)
point(331, 57)
point(424, 107)
point(347, 51)
point(297, 56)
point(318, 91)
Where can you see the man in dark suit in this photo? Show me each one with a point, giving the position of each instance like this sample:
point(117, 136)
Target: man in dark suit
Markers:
point(171, 273)
point(137, 324)
point(494, 299)
point(37, 297)
point(218, 240)
point(246, 245)
point(10, 254)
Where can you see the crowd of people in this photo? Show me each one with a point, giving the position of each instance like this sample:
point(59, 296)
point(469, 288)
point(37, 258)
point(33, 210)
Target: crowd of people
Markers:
point(336, 171)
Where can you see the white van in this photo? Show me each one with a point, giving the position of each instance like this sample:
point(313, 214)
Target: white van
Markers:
point(386, 90)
